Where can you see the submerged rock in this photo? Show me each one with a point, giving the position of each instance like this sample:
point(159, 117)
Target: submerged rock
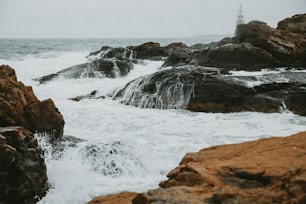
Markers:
point(264, 171)
point(109, 159)
point(91, 95)
point(101, 68)
point(23, 172)
point(204, 89)
point(20, 107)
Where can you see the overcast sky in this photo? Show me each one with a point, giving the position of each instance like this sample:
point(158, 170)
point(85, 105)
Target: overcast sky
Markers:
point(135, 18)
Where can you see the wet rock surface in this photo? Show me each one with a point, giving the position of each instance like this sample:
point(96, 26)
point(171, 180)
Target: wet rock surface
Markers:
point(20, 107)
point(264, 171)
point(207, 90)
point(99, 68)
point(23, 177)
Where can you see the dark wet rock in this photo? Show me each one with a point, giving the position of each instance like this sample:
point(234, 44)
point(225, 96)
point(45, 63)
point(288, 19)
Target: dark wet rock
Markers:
point(207, 90)
point(153, 50)
point(234, 57)
point(249, 172)
point(294, 24)
point(20, 107)
point(101, 68)
point(22, 168)
point(91, 95)
point(178, 57)
point(107, 52)
point(176, 45)
point(150, 50)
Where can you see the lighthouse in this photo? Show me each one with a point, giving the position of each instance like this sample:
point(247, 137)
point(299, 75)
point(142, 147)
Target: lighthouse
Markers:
point(240, 18)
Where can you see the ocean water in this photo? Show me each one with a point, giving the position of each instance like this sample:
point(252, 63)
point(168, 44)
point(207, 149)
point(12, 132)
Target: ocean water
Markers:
point(125, 148)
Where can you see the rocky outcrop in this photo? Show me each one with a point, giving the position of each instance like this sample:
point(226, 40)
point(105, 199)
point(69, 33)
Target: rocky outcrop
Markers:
point(100, 68)
point(20, 107)
point(22, 169)
point(153, 50)
point(294, 24)
point(264, 171)
point(255, 46)
point(207, 90)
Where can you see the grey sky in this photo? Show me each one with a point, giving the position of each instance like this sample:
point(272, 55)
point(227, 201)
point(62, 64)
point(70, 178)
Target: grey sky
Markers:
point(135, 18)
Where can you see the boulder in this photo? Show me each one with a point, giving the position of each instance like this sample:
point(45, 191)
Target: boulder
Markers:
point(100, 68)
point(205, 89)
point(294, 24)
point(23, 175)
point(119, 53)
point(269, 170)
point(178, 57)
point(243, 56)
point(20, 107)
point(150, 51)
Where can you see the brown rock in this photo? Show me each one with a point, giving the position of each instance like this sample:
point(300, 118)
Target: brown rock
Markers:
point(23, 177)
point(294, 24)
point(120, 198)
point(20, 107)
point(269, 170)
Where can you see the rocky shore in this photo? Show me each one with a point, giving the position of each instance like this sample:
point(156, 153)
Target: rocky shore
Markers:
point(23, 177)
point(197, 78)
point(269, 170)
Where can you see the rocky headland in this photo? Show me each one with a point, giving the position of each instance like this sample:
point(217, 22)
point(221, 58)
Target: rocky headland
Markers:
point(269, 170)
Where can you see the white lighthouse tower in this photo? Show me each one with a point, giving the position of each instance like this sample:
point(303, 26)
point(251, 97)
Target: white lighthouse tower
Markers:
point(240, 18)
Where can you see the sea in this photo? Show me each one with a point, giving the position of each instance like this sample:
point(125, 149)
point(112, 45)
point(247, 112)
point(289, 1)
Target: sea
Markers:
point(123, 148)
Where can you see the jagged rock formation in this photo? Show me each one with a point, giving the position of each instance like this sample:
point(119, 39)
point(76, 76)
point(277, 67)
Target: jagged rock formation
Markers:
point(264, 171)
point(204, 89)
point(22, 168)
point(20, 107)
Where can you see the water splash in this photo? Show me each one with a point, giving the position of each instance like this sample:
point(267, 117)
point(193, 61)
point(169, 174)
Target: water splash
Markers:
point(168, 93)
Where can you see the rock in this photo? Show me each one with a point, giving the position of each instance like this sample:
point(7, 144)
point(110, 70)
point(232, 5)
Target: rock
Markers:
point(285, 46)
point(118, 53)
point(23, 173)
point(176, 45)
point(204, 89)
point(243, 56)
point(149, 50)
point(177, 57)
point(269, 170)
point(101, 68)
point(294, 24)
point(91, 95)
point(20, 107)
point(45, 117)
point(256, 46)
point(120, 198)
